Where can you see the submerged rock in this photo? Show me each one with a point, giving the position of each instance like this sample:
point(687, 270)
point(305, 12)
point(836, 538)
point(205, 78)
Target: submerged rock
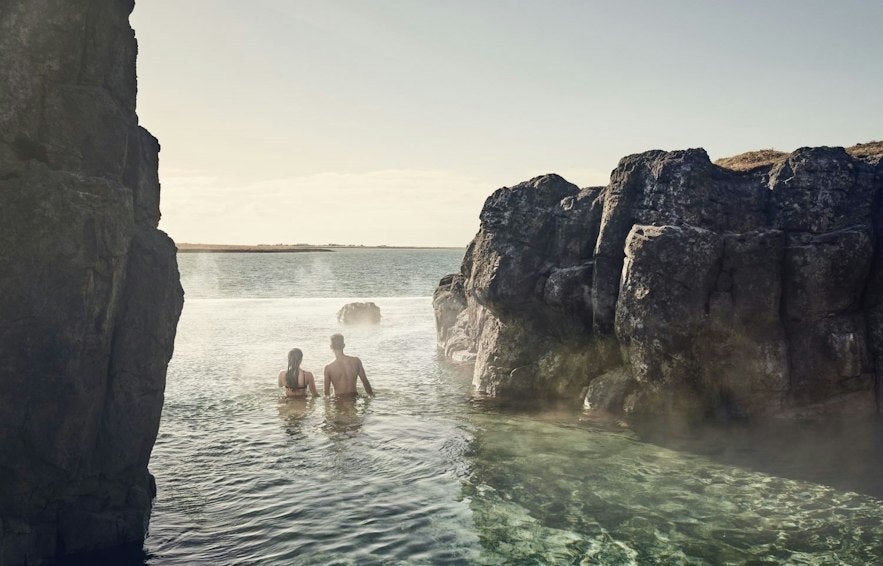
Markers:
point(90, 293)
point(680, 288)
point(359, 313)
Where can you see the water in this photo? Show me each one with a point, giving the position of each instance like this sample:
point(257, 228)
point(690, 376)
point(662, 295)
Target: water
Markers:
point(422, 473)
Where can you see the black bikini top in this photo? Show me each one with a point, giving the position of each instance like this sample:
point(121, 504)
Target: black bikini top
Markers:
point(304, 386)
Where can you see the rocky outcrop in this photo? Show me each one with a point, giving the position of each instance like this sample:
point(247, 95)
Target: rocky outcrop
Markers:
point(90, 293)
point(359, 313)
point(681, 288)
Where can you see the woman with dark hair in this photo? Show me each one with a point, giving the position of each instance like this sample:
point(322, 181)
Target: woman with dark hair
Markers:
point(294, 380)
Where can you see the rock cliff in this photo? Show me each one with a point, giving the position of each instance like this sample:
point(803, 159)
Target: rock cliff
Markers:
point(89, 293)
point(681, 288)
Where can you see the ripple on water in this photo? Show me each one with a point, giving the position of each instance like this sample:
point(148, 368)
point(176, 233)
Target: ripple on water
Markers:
point(421, 474)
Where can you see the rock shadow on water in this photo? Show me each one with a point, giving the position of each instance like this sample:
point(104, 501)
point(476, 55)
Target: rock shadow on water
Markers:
point(845, 454)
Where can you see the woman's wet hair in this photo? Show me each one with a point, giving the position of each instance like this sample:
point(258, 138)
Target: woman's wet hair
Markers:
point(295, 357)
point(337, 342)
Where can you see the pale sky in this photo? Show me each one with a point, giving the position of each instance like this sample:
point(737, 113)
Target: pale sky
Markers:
point(390, 121)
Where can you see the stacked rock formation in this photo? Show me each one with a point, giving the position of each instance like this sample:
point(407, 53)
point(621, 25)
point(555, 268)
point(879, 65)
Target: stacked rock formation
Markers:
point(90, 293)
point(681, 288)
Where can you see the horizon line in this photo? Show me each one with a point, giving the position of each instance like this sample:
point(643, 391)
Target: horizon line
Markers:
point(201, 247)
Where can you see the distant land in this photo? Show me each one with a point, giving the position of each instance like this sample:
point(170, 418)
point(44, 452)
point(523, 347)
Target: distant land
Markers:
point(293, 248)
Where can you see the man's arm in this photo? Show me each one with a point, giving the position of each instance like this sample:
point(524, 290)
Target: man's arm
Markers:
point(327, 383)
point(364, 379)
point(312, 382)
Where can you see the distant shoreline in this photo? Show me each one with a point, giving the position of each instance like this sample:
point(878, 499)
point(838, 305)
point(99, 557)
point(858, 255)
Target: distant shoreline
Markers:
point(260, 249)
point(284, 248)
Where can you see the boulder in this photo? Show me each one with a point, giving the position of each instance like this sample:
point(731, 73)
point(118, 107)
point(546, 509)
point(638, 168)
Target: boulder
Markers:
point(515, 242)
point(359, 313)
point(521, 303)
point(90, 294)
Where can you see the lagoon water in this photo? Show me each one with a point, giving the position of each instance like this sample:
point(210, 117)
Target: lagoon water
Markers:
point(425, 474)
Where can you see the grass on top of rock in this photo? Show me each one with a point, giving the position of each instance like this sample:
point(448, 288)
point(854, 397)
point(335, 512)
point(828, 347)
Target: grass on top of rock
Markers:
point(869, 149)
point(766, 157)
point(752, 159)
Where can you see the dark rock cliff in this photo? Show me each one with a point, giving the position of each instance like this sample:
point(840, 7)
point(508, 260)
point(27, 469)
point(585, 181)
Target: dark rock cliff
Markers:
point(681, 288)
point(89, 292)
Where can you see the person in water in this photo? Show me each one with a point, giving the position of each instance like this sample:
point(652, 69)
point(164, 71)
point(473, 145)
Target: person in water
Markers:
point(294, 380)
point(342, 372)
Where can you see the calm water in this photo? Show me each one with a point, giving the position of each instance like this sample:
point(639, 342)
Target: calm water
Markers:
point(424, 474)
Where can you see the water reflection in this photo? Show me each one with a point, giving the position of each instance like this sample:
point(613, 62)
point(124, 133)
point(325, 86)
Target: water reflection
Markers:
point(294, 411)
point(345, 414)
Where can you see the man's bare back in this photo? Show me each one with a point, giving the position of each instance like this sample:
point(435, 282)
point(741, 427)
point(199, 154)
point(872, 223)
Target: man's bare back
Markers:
point(343, 371)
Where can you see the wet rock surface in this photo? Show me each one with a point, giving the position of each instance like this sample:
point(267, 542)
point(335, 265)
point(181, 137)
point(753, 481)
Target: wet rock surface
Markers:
point(681, 288)
point(359, 313)
point(90, 293)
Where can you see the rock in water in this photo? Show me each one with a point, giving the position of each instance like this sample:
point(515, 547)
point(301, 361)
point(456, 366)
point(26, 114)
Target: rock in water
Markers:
point(681, 288)
point(90, 293)
point(359, 313)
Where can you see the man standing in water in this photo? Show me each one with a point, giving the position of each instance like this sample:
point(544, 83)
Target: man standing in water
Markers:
point(342, 372)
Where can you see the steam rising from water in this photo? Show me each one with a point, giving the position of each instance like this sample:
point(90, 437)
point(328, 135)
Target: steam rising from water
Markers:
point(343, 273)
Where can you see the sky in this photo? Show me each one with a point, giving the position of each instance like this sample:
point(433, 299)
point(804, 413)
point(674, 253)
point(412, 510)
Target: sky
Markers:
point(388, 122)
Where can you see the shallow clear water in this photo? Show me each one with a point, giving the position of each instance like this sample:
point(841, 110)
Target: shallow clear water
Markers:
point(422, 473)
